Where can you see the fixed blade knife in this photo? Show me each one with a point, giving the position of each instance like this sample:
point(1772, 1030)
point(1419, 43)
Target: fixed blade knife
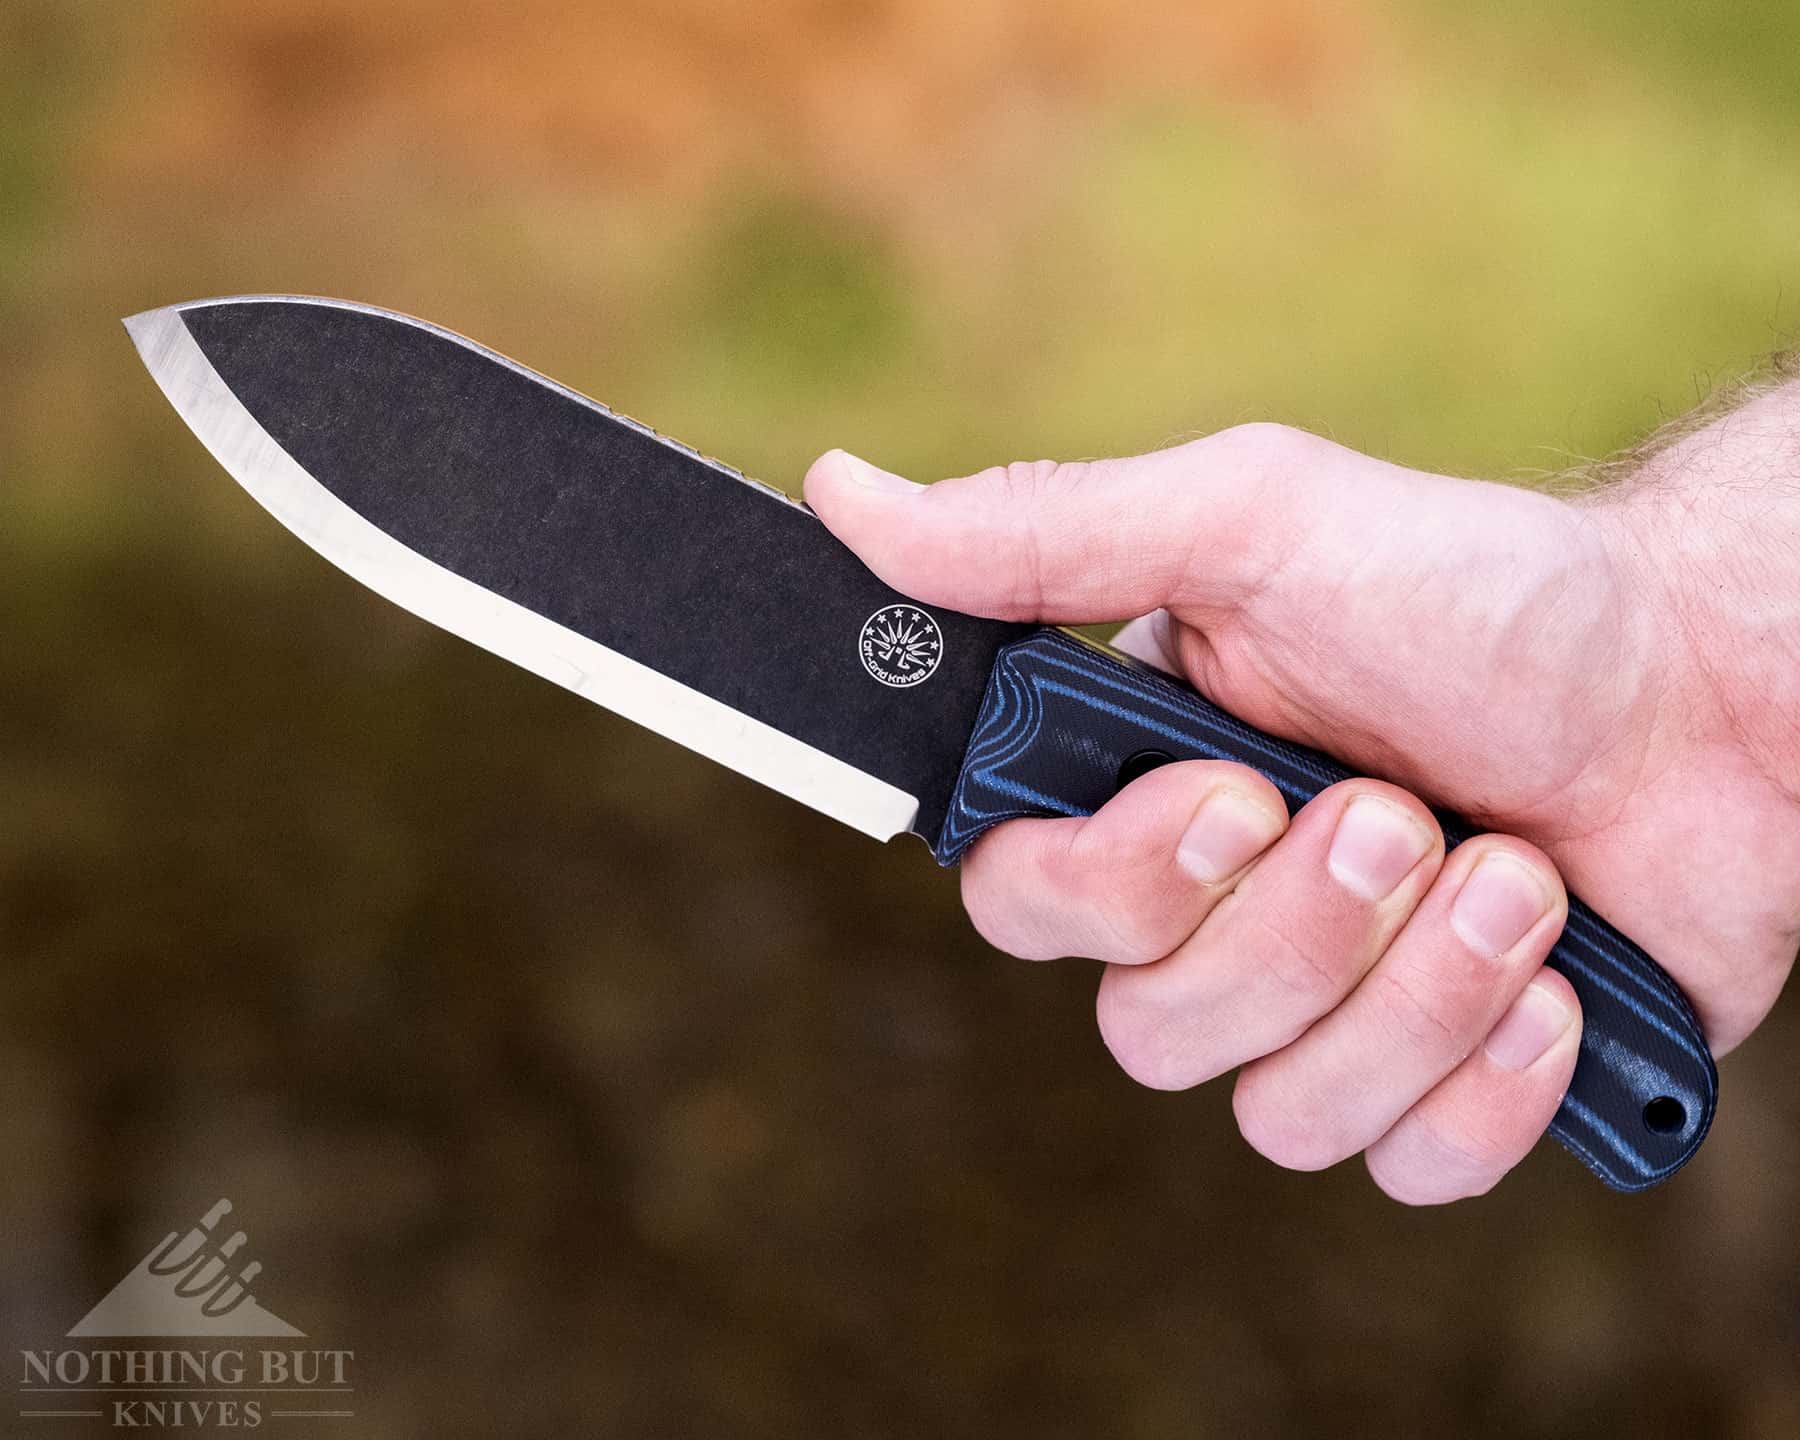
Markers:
point(674, 591)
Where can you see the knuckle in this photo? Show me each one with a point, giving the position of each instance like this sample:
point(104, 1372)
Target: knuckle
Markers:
point(1137, 938)
point(1120, 872)
point(1143, 1034)
point(1128, 920)
point(1027, 480)
point(1317, 976)
point(1410, 1187)
point(1401, 1184)
point(1054, 901)
point(1266, 442)
point(1415, 1009)
point(997, 919)
point(1276, 1130)
point(1014, 497)
point(1437, 1167)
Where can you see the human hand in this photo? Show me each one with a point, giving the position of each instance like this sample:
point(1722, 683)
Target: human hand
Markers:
point(1610, 686)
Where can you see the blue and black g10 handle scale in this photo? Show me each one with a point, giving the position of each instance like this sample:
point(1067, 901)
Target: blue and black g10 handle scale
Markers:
point(1065, 723)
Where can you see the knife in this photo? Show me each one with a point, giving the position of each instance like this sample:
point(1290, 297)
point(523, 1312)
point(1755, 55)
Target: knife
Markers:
point(715, 610)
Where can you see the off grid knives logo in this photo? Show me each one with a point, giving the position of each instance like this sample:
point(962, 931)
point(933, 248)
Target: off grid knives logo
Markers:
point(900, 645)
point(193, 1285)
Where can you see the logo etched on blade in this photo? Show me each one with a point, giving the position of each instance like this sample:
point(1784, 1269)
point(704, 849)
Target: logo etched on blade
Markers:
point(901, 646)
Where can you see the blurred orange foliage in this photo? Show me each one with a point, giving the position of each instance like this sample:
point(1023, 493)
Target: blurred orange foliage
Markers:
point(868, 103)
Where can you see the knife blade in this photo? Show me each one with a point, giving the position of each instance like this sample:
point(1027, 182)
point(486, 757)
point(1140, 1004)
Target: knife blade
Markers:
point(673, 590)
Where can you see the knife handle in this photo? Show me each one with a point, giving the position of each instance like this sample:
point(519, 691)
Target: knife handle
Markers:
point(1066, 723)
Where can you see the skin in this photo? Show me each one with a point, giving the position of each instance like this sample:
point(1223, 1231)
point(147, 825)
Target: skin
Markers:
point(1611, 686)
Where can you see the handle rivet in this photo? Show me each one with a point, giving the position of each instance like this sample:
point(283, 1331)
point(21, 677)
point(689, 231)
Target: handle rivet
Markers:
point(1665, 1115)
point(1140, 764)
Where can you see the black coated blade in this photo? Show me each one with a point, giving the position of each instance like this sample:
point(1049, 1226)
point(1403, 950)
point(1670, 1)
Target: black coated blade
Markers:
point(618, 537)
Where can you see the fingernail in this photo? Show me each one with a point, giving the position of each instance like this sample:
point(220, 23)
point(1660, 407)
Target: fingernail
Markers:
point(872, 477)
point(1498, 903)
point(1226, 834)
point(1375, 847)
point(1535, 1022)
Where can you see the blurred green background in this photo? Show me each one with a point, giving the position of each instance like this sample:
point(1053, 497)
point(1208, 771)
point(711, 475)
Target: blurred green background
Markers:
point(581, 1087)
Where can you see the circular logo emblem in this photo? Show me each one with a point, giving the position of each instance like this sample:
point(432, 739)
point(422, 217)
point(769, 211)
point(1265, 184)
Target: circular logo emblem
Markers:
point(900, 645)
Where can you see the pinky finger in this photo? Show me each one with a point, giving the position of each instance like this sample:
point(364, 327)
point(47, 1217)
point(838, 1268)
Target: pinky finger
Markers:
point(1483, 1118)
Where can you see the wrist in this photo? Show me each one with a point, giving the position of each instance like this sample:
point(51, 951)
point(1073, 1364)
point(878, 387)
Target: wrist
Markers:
point(1705, 534)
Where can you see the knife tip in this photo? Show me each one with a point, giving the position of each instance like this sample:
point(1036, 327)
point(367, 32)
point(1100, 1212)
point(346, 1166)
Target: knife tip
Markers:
point(135, 325)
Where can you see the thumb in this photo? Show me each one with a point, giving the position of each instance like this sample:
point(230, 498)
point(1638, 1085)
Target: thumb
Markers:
point(1201, 527)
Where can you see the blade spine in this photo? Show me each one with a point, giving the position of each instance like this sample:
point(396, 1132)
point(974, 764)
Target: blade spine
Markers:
point(892, 811)
point(499, 357)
